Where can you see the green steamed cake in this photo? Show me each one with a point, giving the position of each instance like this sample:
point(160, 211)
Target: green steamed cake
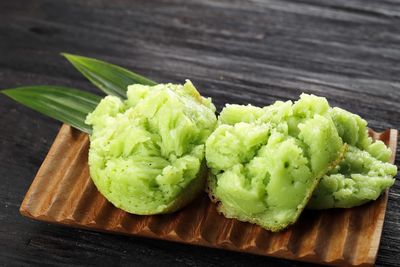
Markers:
point(363, 174)
point(266, 162)
point(147, 153)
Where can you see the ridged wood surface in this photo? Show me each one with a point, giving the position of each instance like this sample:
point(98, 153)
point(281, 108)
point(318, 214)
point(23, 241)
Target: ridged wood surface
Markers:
point(63, 193)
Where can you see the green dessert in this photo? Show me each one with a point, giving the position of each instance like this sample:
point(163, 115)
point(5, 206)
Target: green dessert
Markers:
point(266, 162)
point(147, 153)
point(363, 174)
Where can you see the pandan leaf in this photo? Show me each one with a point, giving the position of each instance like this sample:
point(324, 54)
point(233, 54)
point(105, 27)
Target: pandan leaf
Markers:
point(67, 105)
point(110, 78)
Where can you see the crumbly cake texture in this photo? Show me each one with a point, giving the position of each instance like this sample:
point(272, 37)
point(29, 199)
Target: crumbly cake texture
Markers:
point(266, 162)
point(363, 175)
point(147, 152)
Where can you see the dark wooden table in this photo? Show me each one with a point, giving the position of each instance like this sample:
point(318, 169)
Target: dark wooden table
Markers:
point(234, 51)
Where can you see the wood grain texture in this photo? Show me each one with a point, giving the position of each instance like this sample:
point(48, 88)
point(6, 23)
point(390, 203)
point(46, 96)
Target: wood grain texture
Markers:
point(233, 50)
point(63, 193)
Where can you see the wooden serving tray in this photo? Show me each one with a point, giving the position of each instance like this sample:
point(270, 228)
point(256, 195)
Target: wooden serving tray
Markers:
point(63, 193)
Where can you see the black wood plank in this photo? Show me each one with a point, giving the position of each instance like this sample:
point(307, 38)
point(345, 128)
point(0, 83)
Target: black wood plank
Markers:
point(234, 51)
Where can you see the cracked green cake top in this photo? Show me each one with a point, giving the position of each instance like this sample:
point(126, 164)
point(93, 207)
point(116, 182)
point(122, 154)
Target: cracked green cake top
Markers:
point(266, 162)
point(146, 152)
point(364, 172)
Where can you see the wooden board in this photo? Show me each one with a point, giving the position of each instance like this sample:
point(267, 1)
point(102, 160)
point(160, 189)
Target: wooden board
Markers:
point(63, 193)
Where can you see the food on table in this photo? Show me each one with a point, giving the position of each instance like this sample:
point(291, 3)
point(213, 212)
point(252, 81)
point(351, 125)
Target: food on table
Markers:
point(266, 162)
point(363, 174)
point(147, 153)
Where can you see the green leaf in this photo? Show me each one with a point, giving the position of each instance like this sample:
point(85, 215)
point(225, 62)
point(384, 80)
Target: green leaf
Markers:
point(67, 105)
point(111, 79)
